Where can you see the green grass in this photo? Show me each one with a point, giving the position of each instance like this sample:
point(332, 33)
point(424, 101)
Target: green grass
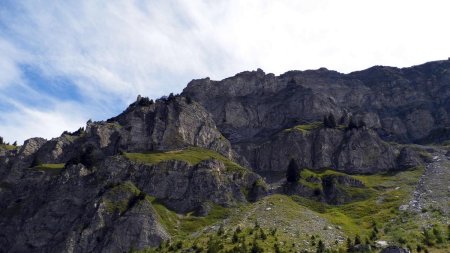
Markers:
point(197, 230)
point(119, 197)
point(51, 168)
point(192, 155)
point(305, 128)
point(8, 147)
point(180, 225)
point(385, 193)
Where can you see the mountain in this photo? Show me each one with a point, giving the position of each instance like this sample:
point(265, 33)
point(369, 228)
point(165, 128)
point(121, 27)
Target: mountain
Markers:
point(206, 169)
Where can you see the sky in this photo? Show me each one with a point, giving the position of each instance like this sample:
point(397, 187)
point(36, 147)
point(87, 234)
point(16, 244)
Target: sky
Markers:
point(65, 62)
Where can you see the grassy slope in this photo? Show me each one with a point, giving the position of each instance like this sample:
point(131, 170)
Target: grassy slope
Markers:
point(298, 220)
point(192, 155)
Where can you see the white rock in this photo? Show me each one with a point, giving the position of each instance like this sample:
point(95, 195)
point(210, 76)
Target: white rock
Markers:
point(381, 244)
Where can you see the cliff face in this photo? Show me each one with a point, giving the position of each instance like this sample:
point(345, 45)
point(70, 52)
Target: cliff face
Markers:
point(410, 105)
point(95, 190)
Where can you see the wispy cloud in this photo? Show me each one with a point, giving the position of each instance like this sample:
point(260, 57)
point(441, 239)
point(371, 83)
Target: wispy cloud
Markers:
point(94, 57)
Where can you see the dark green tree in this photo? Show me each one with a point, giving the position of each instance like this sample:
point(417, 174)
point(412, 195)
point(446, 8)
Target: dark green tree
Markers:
point(221, 231)
point(329, 121)
point(235, 237)
point(419, 248)
point(349, 245)
point(428, 238)
point(293, 172)
point(256, 248)
point(357, 240)
point(214, 245)
point(276, 248)
point(448, 232)
point(262, 235)
point(438, 234)
point(320, 247)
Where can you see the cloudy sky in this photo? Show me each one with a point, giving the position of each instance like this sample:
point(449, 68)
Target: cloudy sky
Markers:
point(64, 62)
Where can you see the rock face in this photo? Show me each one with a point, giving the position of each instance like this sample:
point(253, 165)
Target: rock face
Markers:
point(107, 208)
point(401, 105)
point(352, 151)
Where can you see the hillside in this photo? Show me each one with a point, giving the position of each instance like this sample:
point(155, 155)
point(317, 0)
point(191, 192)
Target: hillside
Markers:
point(205, 170)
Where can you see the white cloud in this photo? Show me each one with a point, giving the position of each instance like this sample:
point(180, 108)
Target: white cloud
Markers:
point(114, 50)
point(10, 58)
point(24, 123)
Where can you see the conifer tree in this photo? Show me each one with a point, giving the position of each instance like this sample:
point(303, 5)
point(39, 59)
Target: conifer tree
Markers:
point(293, 172)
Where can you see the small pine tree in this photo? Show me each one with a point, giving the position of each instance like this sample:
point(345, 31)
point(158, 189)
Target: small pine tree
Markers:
point(262, 234)
point(326, 123)
point(448, 232)
point(438, 234)
point(188, 100)
point(329, 121)
point(357, 240)
point(273, 232)
point(235, 237)
point(349, 245)
point(320, 247)
point(221, 231)
point(214, 245)
point(256, 248)
point(419, 248)
point(428, 238)
point(352, 124)
point(293, 172)
point(15, 143)
point(276, 248)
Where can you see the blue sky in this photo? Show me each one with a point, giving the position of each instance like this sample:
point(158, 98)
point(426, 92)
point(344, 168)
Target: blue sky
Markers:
point(64, 62)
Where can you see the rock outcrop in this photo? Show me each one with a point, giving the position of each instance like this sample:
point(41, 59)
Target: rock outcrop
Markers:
point(79, 193)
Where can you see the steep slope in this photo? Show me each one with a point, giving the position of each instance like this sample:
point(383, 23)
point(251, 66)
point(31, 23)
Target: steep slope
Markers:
point(94, 190)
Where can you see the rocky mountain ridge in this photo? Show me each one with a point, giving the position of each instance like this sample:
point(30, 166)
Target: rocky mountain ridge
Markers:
point(218, 144)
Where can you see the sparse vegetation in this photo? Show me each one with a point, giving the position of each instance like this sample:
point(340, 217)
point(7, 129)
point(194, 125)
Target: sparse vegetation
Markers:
point(305, 128)
point(192, 155)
